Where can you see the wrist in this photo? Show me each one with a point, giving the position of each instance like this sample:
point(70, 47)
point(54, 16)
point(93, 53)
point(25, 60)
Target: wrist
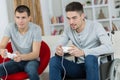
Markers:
point(21, 57)
point(82, 52)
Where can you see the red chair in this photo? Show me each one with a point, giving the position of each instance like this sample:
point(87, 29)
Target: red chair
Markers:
point(44, 60)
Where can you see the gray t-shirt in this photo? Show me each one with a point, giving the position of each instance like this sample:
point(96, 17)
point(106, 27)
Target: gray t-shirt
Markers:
point(93, 40)
point(23, 43)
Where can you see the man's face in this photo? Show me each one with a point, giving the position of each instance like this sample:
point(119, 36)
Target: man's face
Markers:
point(75, 19)
point(22, 19)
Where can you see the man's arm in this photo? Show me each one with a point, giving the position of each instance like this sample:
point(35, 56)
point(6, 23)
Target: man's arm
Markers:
point(4, 42)
point(30, 56)
point(105, 46)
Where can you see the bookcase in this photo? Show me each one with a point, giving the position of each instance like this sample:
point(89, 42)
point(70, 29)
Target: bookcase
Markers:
point(107, 12)
point(52, 14)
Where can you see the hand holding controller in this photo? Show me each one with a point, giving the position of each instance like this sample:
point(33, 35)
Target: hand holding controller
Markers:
point(11, 56)
point(65, 49)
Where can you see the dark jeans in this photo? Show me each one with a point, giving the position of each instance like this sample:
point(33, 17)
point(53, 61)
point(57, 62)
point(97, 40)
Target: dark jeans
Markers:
point(30, 67)
point(88, 70)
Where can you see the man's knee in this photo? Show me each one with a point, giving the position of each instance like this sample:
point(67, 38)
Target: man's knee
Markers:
point(55, 59)
point(91, 60)
point(2, 70)
point(32, 67)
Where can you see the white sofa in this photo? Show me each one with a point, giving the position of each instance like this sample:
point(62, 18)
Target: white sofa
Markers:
point(51, 41)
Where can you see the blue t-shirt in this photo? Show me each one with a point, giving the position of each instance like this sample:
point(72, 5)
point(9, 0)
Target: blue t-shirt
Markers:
point(23, 43)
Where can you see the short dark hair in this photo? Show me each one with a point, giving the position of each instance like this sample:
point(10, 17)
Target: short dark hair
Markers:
point(74, 6)
point(22, 8)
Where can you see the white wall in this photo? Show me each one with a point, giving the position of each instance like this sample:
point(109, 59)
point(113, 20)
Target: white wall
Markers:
point(10, 10)
point(7, 15)
point(45, 16)
point(3, 17)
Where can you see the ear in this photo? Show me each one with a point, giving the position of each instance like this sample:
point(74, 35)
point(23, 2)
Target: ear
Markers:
point(30, 18)
point(83, 15)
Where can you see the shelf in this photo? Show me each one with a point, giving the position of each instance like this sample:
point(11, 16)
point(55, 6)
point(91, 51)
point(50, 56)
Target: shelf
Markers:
point(115, 19)
point(102, 5)
point(102, 20)
point(87, 7)
point(57, 24)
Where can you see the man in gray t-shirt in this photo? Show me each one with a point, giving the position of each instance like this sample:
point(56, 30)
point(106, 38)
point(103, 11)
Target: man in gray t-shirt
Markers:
point(89, 40)
point(26, 41)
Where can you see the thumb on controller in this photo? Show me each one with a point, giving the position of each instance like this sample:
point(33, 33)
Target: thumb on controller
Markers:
point(3, 53)
point(17, 53)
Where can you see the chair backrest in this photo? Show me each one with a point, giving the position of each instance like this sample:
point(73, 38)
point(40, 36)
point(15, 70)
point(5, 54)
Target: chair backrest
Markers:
point(44, 56)
point(9, 48)
point(44, 60)
point(116, 44)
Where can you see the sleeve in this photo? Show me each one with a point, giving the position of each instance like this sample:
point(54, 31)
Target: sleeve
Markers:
point(37, 34)
point(7, 30)
point(105, 42)
point(64, 38)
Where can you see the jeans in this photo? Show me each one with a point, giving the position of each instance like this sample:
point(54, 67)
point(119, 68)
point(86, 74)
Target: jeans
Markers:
point(30, 67)
point(88, 70)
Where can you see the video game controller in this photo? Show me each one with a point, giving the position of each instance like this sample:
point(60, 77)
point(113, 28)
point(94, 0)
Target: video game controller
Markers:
point(11, 56)
point(65, 49)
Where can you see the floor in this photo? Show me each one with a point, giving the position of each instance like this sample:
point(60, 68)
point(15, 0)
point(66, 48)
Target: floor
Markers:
point(44, 76)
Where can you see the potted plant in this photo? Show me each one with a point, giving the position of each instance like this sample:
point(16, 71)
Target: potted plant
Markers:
point(88, 2)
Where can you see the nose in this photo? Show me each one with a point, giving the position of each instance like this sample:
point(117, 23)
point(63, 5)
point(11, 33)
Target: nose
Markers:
point(20, 20)
point(70, 21)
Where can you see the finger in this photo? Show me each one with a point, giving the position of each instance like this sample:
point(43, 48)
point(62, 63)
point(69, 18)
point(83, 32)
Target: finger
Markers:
point(72, 46)
point(72, 54)
point(4, 55)
point(16, 59)
point(60, 46)
point(5, 50)
point(60, 53)
point(17, 53)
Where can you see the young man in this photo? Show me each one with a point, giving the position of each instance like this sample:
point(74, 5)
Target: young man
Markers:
point(26, 41)
point(89, 41)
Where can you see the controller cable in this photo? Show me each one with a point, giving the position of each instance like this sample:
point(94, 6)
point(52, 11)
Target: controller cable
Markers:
point(63, 68)
point(5, 69)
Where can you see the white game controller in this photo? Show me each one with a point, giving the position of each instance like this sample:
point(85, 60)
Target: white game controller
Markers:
point(11, 56)
point(65, 49)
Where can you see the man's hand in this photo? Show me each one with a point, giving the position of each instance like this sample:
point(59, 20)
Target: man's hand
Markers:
point(3, 53)
point(74, 51)
point(59, 51)
point(17, 58)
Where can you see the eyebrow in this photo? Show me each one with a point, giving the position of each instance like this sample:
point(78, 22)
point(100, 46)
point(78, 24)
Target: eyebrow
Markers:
point(71, 17)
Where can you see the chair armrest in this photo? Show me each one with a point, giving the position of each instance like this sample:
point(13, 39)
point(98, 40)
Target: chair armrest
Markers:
point(105, 58)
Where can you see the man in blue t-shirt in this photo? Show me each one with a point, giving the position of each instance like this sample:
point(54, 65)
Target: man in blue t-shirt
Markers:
point(26, 41)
